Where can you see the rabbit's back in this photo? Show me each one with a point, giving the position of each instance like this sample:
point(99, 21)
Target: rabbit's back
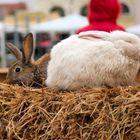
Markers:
point(77, 63)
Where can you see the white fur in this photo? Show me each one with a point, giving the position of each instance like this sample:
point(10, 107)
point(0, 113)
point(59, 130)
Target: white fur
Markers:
point(111, 59)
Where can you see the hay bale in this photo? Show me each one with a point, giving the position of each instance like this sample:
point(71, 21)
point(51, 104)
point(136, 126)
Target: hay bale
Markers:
point(86, 114)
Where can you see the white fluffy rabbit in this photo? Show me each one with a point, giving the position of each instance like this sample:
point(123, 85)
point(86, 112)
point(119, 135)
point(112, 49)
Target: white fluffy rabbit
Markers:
point(94, 59)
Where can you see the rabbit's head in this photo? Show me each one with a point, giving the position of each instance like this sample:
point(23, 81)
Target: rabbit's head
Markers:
point(26, 71)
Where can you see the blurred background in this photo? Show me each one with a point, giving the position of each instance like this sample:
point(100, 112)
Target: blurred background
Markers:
point(51, 21)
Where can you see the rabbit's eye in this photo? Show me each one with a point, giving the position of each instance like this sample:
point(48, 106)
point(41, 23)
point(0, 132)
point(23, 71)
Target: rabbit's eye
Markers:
point(18, 69)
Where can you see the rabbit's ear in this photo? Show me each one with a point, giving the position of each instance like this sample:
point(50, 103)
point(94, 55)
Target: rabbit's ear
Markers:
point(27, 48)
point(43, 59)
point(14, 50)
point(92, 35)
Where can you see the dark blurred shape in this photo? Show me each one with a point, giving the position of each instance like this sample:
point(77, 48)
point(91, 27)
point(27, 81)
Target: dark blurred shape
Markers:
point(9, 37)
point(43, 44)
point(125, 9)
point(59, 10)
point(84, 11)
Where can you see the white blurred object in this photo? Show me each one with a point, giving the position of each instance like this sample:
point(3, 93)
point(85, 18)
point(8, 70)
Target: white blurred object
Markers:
point(10, 1)
point(134, 29)
point(69, 23)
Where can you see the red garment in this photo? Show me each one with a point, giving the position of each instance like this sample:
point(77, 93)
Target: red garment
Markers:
point(102, 15)
point(44, 44)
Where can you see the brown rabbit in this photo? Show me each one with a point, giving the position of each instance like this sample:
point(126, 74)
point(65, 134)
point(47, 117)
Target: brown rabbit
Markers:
point(24, 70)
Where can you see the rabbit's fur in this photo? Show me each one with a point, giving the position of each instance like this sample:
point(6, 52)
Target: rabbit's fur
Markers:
point(94, 59)
point(25, 71)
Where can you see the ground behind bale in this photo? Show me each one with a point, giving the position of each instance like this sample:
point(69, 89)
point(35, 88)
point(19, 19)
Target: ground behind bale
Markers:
point(86, 114)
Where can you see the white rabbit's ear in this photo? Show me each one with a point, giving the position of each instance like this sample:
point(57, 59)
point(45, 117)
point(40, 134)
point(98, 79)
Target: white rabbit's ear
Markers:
point(92, 35)
point(43, 59)
point(14, 50)
point(27, 48)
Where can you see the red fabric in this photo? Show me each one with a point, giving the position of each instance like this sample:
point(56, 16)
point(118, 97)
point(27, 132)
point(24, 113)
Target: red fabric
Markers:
point(102, 15)
point(44, 44)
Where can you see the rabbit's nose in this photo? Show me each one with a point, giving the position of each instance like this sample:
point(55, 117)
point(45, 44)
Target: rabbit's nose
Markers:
point(8, 80)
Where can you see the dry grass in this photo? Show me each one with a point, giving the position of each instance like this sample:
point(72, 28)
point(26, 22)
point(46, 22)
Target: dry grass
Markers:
point(86, 114)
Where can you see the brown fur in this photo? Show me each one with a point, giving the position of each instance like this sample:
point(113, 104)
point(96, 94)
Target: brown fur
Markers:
point(137, 79)
point(25, 71)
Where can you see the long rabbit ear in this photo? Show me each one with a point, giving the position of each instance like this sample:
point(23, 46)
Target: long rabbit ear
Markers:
point(14, 50)
point(27, 48)
point(43, 59)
